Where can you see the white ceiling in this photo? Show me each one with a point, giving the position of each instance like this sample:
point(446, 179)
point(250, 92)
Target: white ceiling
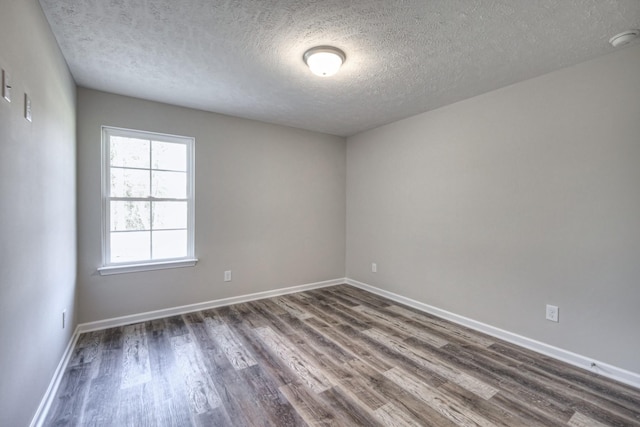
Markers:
point(244, 57)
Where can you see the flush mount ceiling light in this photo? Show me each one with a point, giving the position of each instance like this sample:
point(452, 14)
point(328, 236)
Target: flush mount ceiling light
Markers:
point(624, 38)
point(324, 61)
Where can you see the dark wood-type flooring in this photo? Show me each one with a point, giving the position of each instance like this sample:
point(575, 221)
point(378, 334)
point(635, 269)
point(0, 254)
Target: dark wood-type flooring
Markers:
point(333, 356)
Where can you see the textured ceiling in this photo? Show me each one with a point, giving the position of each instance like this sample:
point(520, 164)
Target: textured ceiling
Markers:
point(244, 57)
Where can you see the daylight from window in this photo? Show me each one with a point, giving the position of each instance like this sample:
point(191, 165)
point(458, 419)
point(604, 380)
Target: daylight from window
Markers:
point(148, 203)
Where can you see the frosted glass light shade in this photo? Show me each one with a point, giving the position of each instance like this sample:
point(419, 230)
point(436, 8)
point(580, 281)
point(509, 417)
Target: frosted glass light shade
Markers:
point(324, 61)
point(624, 38)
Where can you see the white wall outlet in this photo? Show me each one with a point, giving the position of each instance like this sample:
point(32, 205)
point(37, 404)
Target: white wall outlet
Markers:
point(64, 319)
point(552, 313)
point(374, 267)
point(227, 276)
point(27, 107)
point(6, 86)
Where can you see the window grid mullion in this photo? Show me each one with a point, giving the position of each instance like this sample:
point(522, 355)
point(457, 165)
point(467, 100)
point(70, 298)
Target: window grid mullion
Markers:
point(150, 196)
point(144, 169)
point(145, 199)
point(161, 229)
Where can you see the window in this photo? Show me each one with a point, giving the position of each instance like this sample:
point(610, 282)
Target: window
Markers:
point(147, 201)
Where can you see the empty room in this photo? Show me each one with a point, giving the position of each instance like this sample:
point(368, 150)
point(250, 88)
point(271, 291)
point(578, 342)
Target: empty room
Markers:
point(306, 213)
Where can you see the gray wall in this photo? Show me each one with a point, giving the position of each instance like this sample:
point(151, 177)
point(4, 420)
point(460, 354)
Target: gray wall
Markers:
point(37, 211)
point(270, 206)
point(497, 205)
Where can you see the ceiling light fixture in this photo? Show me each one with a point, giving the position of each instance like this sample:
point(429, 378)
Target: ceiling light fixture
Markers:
point(624, 38)
point(324, 61)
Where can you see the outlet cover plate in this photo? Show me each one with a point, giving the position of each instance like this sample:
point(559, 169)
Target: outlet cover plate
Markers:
point(6, 86)
point(552, 313)
point(27, 107)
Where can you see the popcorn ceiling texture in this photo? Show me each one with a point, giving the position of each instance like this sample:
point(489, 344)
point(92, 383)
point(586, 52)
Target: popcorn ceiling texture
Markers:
point(244, 57)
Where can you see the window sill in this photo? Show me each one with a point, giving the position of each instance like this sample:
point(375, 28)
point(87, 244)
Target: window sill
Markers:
point(134, 268)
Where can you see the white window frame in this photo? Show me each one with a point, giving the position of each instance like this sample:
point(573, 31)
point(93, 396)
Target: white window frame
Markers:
point(190, 260)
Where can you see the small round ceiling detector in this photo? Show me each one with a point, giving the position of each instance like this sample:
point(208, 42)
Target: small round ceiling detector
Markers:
point(624, 38)
point(324, 61)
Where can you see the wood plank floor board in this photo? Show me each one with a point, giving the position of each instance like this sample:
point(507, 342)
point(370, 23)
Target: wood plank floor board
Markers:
point(336, 356)
point(167, 389)
point(447, 405)
point(359, 351)
point(463, 379)
point(87, 348)
point(320, 342)
point(273, 366)
point(342, 313)
point(580, 420)
point(512, 379)
point(242, 314)
point(201, 392)
point(315, 310)
point(342, 297)
point(394, 326)
point(272, 320)
point(135, 365)
point(514, 396)
point(447, 330)
point(274, 406)
point(235, 397)
point(101, 405)
point(391, 356)
point(526, 414)
point(236, 353)
point(69, 407)
point(554, 392)
point(355, 414)
point(363, 297)
point(400, 397)
point(314, 412)
point(291, 308)
point(357, 388)
point(306, 371)
point(496, 414)
point(392, 416)
point(574, 378)
point(327, 355)
point(586, 399)
point(176, 326)
point(136, 407)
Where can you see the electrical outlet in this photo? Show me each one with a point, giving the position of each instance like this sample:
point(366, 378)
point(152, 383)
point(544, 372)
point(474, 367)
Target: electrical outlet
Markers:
point(374, 267)
point(552, 313)
point(227, 276)
point(27, 107)
point(64, 319)
point(6, 86)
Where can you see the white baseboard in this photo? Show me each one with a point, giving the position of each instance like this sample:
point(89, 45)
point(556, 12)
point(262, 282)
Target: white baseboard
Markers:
point(173, 311)
point(604, 369)
point(45, 404)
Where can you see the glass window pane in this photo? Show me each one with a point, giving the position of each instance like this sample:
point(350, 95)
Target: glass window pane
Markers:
point(169, 244)
point(130, 246)
point(168, 155)
point(130, 152)
point(130, 216)
point(129, 183)
point(171, 185)
point(169, 215)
